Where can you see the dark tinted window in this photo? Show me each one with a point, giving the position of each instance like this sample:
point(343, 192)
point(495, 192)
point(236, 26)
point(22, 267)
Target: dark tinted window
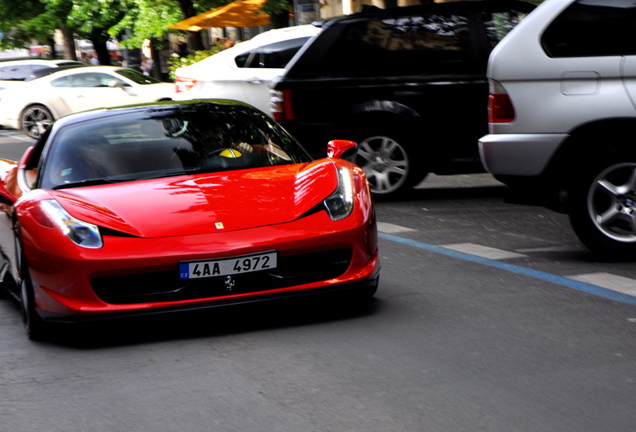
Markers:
point(592, 28)
point(433, 43)
point(499, 24)
point(275, 55)
point(192, 138)
point(278, 54)
point(242, 60)
point(136, 76)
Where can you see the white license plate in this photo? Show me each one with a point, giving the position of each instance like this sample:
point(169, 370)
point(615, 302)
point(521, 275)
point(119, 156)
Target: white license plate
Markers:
point(228, 266)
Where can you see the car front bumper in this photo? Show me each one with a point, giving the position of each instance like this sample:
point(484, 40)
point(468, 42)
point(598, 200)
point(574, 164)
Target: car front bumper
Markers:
point(64, 277)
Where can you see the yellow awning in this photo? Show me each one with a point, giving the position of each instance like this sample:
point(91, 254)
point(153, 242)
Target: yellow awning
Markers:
point(241, 13)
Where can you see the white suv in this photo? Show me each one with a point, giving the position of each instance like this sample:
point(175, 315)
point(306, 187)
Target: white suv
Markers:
point(245, 71)
point(562, 115)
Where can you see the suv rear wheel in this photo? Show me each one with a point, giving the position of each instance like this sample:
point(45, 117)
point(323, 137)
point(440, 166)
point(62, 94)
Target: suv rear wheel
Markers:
point(387, 160)
point(603, 210)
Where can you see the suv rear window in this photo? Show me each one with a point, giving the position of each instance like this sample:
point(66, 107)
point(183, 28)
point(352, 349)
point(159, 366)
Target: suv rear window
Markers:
point(592, 28)
point(274, 55)
point(435, 43)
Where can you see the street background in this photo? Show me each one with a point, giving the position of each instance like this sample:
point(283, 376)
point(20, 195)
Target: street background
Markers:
point(489, 317)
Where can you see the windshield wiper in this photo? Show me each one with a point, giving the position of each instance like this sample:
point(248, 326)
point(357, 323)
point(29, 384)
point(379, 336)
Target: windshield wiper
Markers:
point(170, 174)
point(87, 182)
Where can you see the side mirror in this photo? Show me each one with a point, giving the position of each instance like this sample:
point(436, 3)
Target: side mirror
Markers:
point(116, 84)
point(342, 149)
point(24, 178)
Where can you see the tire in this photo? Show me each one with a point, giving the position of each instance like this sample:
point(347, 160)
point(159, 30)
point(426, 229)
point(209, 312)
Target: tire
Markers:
point(388, 162)
point(35, 119)
point(603, 209)
point(34, 327)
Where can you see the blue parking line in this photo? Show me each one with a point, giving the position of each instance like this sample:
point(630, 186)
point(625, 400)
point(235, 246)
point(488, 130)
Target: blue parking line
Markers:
point(16, 137)
point(547, 277)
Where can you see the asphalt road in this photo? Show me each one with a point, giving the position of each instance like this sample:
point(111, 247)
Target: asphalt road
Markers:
point(489, 317)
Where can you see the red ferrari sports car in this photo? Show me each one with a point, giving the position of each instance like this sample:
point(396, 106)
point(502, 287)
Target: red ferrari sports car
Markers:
point(179, 205)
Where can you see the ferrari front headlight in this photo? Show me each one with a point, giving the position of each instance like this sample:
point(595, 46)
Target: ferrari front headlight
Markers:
point(81, 233)
point(339, 204)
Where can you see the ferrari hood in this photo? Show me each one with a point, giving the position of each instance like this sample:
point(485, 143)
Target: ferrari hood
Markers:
point(203, 203)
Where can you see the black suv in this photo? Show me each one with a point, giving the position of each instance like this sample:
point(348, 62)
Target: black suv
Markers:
point(408, 84)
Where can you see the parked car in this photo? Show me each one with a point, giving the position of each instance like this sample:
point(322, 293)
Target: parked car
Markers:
point(245, 71)
point(561, 114)
point(408, 84)
point(36, 104)
point(180, 205)
point(15, 72)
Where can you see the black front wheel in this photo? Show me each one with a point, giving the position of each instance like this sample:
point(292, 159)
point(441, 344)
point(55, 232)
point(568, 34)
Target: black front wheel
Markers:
point(603, 209)
point(34, 326)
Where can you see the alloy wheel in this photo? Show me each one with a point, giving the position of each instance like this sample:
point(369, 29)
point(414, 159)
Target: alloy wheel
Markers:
point(35, 120)
point(611, 202)
point(384, 162)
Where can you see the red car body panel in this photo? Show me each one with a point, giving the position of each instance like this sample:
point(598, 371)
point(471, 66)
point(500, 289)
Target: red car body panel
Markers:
point(61, 272)
point(237, 199)
point(148, 235)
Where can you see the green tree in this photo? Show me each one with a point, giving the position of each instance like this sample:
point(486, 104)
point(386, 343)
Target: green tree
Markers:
point(92, 20)
point(278, 10)
point(18, 27)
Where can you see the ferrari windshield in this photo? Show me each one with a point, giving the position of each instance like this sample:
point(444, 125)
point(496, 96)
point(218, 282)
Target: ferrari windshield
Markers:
point(165, 141)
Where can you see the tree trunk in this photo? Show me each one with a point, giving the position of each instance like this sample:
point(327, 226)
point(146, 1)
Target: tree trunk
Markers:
point(99, 44)
point(69, 43)
point(195, 42)
point(156, 60)
point(280, 20)
point(51, 42)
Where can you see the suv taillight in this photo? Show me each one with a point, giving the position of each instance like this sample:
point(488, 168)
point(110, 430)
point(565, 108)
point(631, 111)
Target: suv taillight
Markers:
point(500, 109)
point(280, 105)
point(184, 84)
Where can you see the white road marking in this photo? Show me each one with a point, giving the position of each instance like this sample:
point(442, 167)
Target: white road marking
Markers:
point(549, 249)
point(482, 251)
point(388, 228)
point(609, 281)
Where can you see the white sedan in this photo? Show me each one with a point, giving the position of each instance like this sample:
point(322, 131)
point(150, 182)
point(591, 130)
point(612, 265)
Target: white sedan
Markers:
point(36, 104)
point(245, 71)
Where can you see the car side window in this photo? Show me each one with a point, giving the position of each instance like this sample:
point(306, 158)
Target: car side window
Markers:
point(277, 55)
point(243, 60)
point(15, 73)
point(274, 55)
point(62, 82)
point(91, 80)
point(592, 28)
point(85, 80)
point(435, 43)
point(499, 24)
